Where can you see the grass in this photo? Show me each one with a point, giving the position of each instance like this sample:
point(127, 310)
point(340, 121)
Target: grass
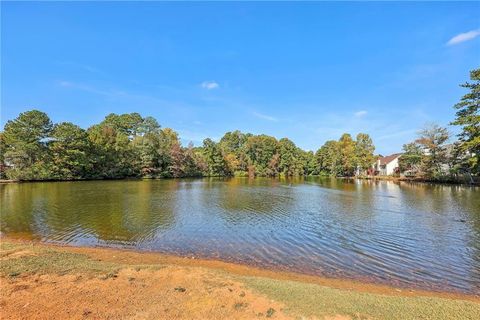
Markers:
point(300, 299)
point(43, 260)
point(308, 300)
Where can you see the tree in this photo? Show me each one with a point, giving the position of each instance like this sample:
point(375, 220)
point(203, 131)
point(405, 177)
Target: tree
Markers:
point(308, 162)
point(147, 145)
point(113, 154)
point(364, 150)
point(288, 164)
point(347, 154)
point(128, 124)
point(25, 141)
point(273, 167)
point(70, 151)
point(410, 161)
point(216, 164)
point(177, 162)
point(328, 159)
point(232, 147)
point(232, 142)
point(193, 164)
point(128, 145)
point(168, 139)
point(259, 150)
point(432, 138)
point(2, 156)
point(468, 117)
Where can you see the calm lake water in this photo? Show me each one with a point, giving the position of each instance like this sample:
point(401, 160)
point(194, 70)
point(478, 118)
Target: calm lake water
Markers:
point(411, 235)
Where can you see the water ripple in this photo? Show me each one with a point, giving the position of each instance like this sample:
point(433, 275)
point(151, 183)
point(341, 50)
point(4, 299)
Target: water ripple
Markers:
point(411, 235)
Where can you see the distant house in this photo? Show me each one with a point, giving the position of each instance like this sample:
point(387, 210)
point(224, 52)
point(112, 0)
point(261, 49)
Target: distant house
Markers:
point(386, 166)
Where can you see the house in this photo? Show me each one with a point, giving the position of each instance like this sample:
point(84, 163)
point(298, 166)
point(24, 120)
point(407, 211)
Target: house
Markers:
point(386, 166)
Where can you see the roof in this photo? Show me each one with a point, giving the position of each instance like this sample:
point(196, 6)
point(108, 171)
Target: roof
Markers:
point(390, 158)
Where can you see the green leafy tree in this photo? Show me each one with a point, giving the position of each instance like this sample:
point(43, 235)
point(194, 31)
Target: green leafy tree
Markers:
point(216, 164)
point(259, 150)
point(411, 159)
point(128, 124)
point(347, 155)
point(128, 145)
point(232, 142)
point(468, 117)
point(69, 151)
point(273, 167)
point(432, 138)
point(289, 158)
point(328, 159)
point(168, 139)
point(113, 155)
point(364, 150)
point(2, 157)
point(147, 145)
point(25, 141)
point(308, 162)
point(192, 162)
point(231, 145)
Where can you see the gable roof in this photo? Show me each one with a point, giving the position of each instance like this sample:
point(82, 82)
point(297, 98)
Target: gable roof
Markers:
point(390, 158)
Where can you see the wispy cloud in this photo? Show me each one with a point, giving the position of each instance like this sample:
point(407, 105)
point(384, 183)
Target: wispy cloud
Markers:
point(81, 66)
point(130, 98)
point(87, 88)
point(264, 116)
point(360, 113)
point(462, 37)
point(209, 85)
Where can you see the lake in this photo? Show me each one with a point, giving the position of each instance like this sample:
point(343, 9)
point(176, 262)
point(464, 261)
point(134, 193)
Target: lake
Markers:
point(403, 234)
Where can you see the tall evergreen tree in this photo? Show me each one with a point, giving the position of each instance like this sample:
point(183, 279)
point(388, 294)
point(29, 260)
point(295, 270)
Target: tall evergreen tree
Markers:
point(468, 117)
point(26, 139)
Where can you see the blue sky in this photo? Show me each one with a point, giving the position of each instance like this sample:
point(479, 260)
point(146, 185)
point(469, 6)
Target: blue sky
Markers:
point(307, 71)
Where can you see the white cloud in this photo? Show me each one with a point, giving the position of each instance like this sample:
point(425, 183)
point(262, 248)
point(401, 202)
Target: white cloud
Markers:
point(360, 113)
point(462, 37)
point(209, 85)
point(264, 116)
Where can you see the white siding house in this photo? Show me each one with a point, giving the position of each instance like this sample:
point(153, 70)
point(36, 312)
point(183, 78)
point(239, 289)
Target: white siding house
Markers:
point(386, 166)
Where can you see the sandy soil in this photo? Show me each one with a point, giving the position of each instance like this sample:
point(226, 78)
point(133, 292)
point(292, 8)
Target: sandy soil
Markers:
point(134, 257)
point(174, 288)
point(169, 293)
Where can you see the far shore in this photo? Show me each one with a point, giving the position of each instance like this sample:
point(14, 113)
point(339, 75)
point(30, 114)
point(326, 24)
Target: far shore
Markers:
point(51, 281)
point(373, 178)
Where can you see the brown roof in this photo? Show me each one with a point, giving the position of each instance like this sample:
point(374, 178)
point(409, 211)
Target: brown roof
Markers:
point(390, 158)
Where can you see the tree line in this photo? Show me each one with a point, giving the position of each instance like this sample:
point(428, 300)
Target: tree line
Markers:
point(129, 145)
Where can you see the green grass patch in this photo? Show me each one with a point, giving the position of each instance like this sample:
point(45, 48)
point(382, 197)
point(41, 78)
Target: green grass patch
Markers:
point(36, 260)
point(309, 300)
point(18, 259)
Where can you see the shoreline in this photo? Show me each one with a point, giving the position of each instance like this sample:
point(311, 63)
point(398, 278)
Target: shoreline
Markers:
point(418, 180)
point(49, 281)
point(131, 256)
point(371, 178)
